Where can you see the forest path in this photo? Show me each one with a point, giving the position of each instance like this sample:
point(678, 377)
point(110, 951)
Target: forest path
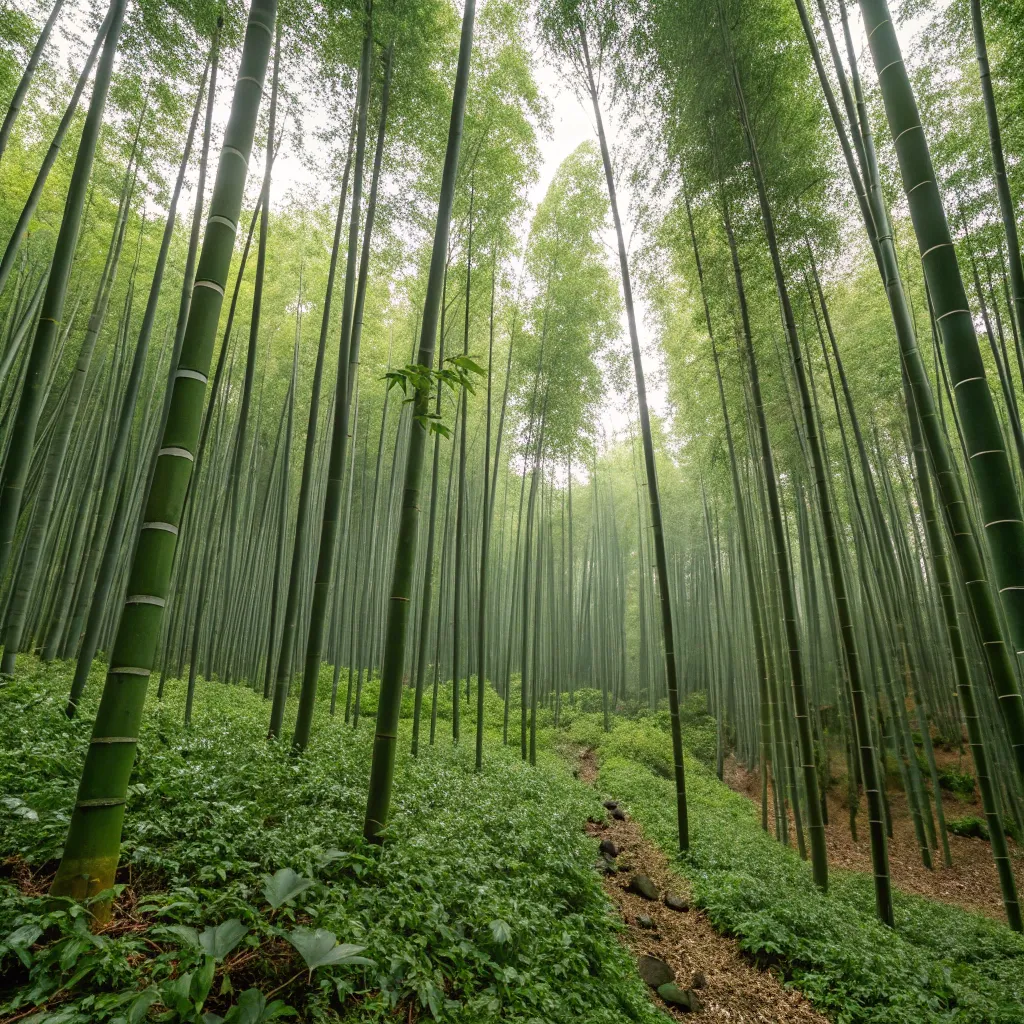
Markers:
point(732, 989)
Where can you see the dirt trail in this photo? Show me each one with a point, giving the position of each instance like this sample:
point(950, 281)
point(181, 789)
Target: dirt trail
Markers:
point(735, 990)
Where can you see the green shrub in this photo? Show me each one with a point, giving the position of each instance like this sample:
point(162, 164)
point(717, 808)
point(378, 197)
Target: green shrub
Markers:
point(957, 782)
point(588, 701)
point(641, 743)
point(693, 707)
point(481, 906)
point(584, 730)
point(970, 827)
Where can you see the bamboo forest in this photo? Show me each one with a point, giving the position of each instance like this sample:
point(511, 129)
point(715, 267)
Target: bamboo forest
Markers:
point(511, 510)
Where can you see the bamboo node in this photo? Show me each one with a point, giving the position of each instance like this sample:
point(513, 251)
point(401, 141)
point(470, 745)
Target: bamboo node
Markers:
point(889, 65)
point(176, 453)
point(166, 527)
point(231, 151)
point(216, 218)
point(212, 285)
point(191, 375)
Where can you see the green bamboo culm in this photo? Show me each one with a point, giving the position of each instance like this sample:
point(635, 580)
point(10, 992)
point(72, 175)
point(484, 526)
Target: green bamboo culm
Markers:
point(330, 519)
point(654, 498)
point(965, 688)
point(928, 431)
point(20, 231)
point(385, 741)
point(291, 610)
point(46, 492)
point(485, 538)
point(995, 139)
point(110, 528)
point(749, 569)
point(26, 420)
point(14, 107)
point(815, 823)
point(92, 847)
point(985, 452)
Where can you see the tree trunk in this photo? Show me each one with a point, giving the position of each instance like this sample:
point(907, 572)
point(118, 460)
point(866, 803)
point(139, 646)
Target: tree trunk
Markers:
point(91, 850)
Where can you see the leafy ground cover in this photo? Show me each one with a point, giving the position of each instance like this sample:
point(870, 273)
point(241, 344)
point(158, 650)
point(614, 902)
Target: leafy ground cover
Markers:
point(940, 964)
point(248, 894)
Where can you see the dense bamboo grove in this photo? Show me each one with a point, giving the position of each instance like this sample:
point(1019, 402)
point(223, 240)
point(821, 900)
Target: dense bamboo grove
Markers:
point(303, 384)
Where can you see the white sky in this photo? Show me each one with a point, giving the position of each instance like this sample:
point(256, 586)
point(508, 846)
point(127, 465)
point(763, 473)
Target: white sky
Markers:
point(572, 124)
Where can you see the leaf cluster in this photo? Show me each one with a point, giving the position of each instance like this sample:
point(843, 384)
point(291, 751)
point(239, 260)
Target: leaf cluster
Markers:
point(481, 906)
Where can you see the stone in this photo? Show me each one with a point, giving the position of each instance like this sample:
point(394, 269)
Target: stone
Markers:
point(698, 980)
point(610, 805)
point(654, 971)
point(618, 814)
point(686, 1000)
point(674, 902)
point(604, 867)
point(643, 921)
point(642, 886)
point(608, 848)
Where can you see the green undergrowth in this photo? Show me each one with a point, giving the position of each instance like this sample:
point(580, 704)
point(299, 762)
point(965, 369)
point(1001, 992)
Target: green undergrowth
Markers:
point(970, 827)
point(481, 905)
point(940, 964)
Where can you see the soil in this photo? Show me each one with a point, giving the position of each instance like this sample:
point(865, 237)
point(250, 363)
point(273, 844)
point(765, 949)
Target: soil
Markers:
point(736, 990)
point(971, 883)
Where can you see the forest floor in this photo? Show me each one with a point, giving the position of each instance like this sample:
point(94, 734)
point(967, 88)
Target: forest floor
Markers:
point(940, 964)
point(728, 985)
point(243, 868)
point(970, 882)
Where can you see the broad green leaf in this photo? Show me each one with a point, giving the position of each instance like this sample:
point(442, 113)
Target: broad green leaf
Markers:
point(202, 982)
point(186, 933)
point(279, 1008)
point(218, 940)
point(252, 1008)
point(320, 948)
point(174, 994)
point(249, 1008)
point(140, 1007)
point(283, 886)
point(500, 931)
point(465, 363)
point(23, 936)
